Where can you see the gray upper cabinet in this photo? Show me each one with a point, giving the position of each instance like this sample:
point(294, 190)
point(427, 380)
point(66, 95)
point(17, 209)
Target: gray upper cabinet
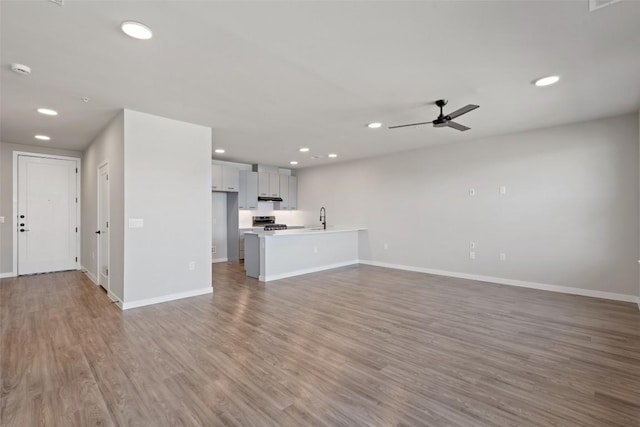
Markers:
point(216, 177)
point(288, 193)
point(268, 184)
point(248, 190)
point(263, 184)
point(284, 192)
point(224, 178)
point(230, 179)
point(293, 192)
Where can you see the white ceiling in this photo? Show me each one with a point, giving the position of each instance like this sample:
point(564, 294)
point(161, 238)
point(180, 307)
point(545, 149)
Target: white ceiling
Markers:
point(270, 77)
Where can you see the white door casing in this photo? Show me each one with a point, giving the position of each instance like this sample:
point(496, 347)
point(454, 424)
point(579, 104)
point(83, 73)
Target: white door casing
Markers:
point(102, 233)
point(47, 214)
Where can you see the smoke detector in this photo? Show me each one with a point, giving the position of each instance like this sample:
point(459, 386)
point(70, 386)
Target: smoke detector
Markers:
point(21, 69)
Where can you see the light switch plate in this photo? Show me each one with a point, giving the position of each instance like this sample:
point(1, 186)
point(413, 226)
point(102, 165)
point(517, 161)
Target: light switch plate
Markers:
point(136, 222)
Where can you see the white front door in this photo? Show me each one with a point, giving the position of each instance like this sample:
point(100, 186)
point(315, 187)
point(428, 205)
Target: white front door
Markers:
point(103, 226)
point(47, 214)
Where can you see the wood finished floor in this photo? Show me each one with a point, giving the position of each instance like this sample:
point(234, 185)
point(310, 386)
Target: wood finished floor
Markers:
point(359, 346)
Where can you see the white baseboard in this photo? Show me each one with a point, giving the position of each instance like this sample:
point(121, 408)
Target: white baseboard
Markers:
point(306, 271)
point(166, 298)
point(510, 282)
point(89, 275)
point(7, 275)
point(214, 260)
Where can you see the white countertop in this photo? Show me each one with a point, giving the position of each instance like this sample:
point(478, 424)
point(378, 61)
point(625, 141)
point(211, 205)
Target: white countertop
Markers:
point(305, 231)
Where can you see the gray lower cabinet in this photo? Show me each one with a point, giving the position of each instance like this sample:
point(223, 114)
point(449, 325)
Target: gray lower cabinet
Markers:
point(252, 255)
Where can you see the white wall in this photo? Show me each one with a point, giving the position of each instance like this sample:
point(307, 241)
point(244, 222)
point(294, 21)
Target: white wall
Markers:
point(167, 178)
point(569, 218)
point(6, 196)
point(219, 226)
point(108, 146)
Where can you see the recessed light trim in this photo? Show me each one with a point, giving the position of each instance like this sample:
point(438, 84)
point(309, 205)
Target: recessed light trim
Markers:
point(374, 125)
point(136, 30)
point(293, 162)
point(220, 150)
point(304, 150)
point(546, 81)
point(47, 111)
point(43, 137)
point(332, 155)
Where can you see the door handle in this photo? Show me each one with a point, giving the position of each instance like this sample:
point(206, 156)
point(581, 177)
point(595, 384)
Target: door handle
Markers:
point(22, 230)
point(98, 232)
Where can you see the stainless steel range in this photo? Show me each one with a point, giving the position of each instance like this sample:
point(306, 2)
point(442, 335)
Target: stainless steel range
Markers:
point(269, 223)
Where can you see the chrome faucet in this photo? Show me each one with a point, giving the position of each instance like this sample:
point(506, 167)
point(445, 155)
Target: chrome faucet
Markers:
point(323, 217)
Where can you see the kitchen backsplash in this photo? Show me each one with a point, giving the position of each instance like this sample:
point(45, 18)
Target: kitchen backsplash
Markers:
point(266, 208)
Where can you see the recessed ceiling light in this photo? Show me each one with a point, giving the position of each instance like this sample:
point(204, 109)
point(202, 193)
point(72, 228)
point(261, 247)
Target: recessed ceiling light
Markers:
point(304, 150)
point(136, 30)
point(219, 150)
point(47, 111)
point(374, 125)
point(42, 137)
point(546, 81)
point(333, 156)
point(293, 162)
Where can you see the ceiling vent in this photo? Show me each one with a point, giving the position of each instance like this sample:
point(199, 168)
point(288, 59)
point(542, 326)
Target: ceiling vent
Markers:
point(599, 4)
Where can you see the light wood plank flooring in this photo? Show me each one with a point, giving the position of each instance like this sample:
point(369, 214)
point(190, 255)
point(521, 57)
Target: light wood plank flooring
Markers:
point(359, 346)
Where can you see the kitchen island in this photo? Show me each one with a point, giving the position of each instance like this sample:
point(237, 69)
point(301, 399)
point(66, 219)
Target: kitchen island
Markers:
point(273, 255)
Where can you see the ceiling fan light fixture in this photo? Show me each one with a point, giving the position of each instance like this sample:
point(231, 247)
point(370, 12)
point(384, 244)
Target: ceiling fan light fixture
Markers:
point(136, 30)
point(546, 81)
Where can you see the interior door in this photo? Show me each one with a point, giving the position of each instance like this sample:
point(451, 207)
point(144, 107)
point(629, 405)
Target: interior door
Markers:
point(103, 226)
point(47, 214)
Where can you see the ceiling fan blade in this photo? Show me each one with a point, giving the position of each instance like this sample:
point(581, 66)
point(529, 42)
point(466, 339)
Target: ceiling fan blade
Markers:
point(461, 111)
point(457, 126)
point(412, 124)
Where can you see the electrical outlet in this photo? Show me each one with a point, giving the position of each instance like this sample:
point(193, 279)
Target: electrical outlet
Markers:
point(214, 249)
point(386, 246)
point(472, 245)
point(503, 190)
point(192, 265)
point(472, 255)
point(503, 256)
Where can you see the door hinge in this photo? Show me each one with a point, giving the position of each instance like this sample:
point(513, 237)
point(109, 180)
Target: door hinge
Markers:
point(107, 177)
point(76, 200)
point(76, 170)
point(76, 229)
point(106, 271)
point(76, 259)
point(107, 224)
